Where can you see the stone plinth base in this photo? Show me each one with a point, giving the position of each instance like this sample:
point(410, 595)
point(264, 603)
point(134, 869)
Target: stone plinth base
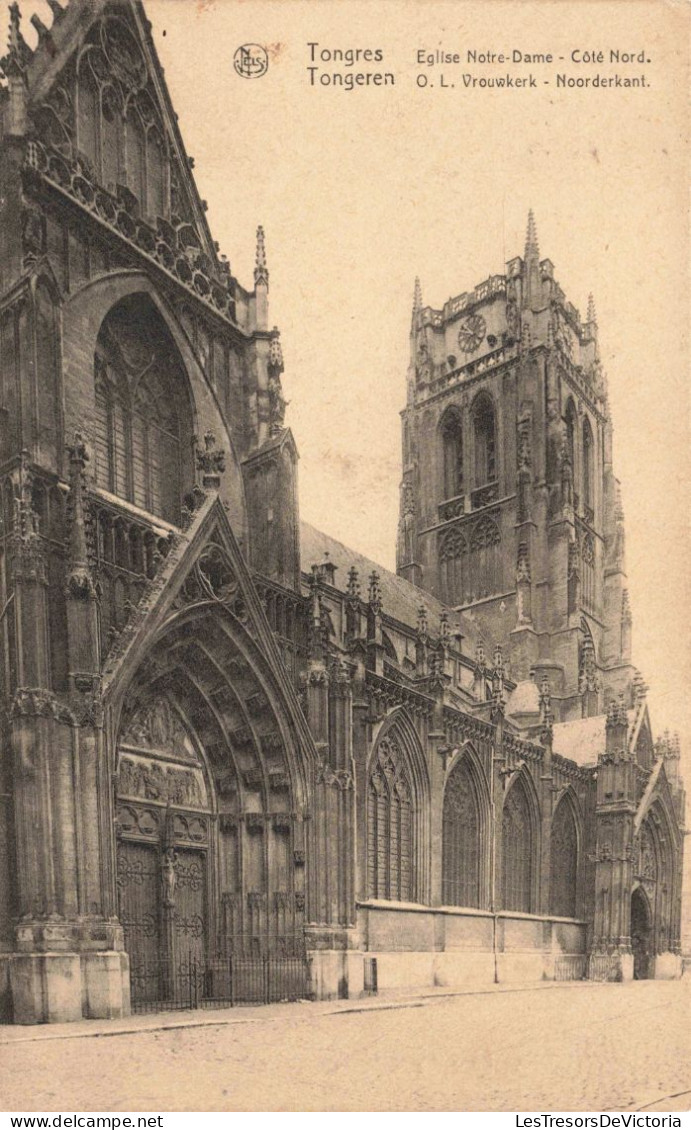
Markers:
point(336, 974)
point(668, 966)
point(454, 970)
point(50, 988)
point(106, 984)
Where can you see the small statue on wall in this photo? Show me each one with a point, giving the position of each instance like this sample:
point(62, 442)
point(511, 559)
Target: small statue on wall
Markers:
point(169, 877)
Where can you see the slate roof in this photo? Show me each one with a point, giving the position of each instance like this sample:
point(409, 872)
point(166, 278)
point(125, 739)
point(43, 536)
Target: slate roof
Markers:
point(583, 739)
point(400, 599)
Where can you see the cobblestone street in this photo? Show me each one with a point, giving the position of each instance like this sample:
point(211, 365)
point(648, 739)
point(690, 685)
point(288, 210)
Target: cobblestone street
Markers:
point(571, 1047)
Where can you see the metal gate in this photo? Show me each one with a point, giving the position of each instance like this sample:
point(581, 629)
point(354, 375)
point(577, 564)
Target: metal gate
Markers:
point(162, 896)
point(238, 979)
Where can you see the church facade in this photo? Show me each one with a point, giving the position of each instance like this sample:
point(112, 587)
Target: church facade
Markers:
point(228, 740)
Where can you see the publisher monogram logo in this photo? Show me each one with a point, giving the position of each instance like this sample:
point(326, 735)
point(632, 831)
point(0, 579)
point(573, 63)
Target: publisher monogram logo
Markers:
point(251, 61)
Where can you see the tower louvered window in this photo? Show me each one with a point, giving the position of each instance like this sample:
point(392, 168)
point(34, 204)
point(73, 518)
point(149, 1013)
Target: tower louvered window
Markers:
point(461, 840)
point(517, 851)
point(564, 862)
point(391, 818)
point(485, 441)
point(452, 449)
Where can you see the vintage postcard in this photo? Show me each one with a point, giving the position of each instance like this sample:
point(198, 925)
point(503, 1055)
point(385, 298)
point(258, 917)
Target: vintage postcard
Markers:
point(344, 432)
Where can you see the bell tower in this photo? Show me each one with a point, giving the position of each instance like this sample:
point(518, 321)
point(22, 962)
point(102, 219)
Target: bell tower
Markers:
point(509, 505)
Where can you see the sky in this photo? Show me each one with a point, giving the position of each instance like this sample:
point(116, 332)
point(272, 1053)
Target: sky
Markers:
point(360, 191)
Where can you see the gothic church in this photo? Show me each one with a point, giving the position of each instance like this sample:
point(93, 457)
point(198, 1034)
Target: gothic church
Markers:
point(230, 744)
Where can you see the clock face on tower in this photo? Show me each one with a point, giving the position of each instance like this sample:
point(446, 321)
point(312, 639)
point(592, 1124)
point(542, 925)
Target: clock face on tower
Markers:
point(472, 332)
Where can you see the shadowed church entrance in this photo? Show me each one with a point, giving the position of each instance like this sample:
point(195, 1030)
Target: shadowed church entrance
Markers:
point(640, 935)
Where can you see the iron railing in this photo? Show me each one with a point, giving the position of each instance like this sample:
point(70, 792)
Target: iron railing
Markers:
point(159, 985)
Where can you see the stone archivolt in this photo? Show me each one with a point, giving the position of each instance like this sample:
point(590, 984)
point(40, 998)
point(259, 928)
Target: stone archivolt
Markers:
point(217, 748)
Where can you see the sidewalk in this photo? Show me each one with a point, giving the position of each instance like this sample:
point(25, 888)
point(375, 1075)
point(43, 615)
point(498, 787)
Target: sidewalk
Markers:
point(272, 1013)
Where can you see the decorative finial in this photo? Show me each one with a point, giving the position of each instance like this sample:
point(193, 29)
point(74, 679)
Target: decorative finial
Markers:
point(625, 607)
point(444, 630)
point(422, 622)
point(417, 297)
point(374, 595)
point(211, 462)
point(79, 583)
point(18, 51)
point(353, 588)
point(275, 351)
point(523, 563)
point(640, 687)
point(531, 247)
point(546, 714)
point(592, 316)
point(480, 657)
point(261, 272)
point(618, 506)
point(498, 679)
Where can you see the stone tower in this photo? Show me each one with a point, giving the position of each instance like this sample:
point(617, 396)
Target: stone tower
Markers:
point(509, 504)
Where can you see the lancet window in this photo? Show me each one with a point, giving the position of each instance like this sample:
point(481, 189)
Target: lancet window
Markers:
point(392, 813)
point(461, 839)
point(564, 861)
point(452, 453)
point(484, 441)
point(518, 848)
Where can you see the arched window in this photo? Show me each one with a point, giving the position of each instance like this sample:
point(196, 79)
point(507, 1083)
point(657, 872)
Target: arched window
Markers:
point(517, 851)
point(461, 839)
point(136, 157)
point(452, 453)
point(391, 825)
point(571, 429)
point(142, 410)
point(110, 429)
point(119, 123)
point(570, 434)
point(88, 113)
point(453, 563)
point(588, 571)
point(484, 441)
point(485, 562)
point(156, 204)
point(564, 861)
point(588, 465)
point(111, 137)
point(155, 445)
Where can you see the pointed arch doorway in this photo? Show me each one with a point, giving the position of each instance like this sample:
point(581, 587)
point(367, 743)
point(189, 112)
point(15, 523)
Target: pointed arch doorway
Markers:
point(641, 935)
point(210, 812)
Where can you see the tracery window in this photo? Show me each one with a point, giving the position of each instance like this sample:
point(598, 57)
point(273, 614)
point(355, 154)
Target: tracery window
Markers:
point(452, 452)
point(142, 411)
point(564, 861)
point(517, 851)
point(588, 571)
point(571, 425)
point(391, 825)
point(485, 562)
point(453, 562)
point(119, 127)
point(461, 839)
point(484, 441)
point(587, 471)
